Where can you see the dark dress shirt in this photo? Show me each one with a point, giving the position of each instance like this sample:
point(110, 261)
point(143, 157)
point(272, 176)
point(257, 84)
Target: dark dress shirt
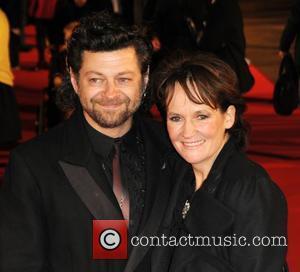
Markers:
point(131, 163)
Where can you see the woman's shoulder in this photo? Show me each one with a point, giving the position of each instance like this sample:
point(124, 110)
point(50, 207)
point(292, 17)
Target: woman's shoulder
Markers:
point(240, 166)
point(247, 180)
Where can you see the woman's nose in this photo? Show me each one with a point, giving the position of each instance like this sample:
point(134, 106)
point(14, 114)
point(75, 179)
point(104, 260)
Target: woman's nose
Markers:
point(188, 129)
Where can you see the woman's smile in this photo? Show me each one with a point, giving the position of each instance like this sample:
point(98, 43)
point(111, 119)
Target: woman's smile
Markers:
point(193, 144)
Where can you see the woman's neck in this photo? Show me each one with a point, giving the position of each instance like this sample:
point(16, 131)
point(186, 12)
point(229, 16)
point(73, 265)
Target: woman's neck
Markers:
point(201, 170)
point(199, 177)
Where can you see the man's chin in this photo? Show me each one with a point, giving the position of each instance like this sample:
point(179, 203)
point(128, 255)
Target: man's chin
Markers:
point(111, 108)
point(108, 121)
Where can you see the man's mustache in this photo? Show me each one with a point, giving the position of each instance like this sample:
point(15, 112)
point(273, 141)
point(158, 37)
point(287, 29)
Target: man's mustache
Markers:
point(104, 101)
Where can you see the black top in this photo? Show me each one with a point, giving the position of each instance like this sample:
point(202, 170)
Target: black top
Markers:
point(131, 164)
point(237, 199)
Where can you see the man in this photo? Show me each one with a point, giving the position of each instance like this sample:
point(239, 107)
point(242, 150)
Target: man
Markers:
point(57, 184)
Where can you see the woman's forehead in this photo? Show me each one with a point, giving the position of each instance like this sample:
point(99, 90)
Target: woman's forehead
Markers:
point(188, 92)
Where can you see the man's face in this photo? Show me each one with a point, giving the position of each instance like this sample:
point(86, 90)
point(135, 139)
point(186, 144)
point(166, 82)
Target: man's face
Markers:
point(109, 86)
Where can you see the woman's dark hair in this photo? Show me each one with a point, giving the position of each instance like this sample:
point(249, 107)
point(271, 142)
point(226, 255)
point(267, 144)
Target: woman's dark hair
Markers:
point(214, 84)
point(101, 32)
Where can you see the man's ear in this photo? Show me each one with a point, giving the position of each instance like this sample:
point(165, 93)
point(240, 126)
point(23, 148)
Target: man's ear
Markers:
point(230, 117)
point(74, 81)
point(146, 79)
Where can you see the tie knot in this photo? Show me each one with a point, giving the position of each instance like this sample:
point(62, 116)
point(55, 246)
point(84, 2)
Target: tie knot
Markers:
point(117, 143)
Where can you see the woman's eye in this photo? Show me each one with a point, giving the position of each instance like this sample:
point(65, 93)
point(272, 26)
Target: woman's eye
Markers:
point(202, 116)
point(174, 118)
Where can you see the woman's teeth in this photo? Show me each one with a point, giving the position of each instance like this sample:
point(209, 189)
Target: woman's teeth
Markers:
point(194, 143)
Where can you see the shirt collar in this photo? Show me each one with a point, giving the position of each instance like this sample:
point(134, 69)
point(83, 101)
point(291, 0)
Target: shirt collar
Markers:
point(103, 144)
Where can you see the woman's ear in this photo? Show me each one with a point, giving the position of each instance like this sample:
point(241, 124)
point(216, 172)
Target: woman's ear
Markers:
point(74, 81)
point(230, 117)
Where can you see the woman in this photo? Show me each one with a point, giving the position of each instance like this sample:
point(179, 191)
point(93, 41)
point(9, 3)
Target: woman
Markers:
point(228, 200)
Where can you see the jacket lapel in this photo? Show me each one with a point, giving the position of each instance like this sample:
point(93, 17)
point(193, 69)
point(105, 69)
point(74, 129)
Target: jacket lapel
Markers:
point(83, 172)
point(89, 192)
point(208, 216)
point(162, 255)
point(157, 196)
point(160, 199)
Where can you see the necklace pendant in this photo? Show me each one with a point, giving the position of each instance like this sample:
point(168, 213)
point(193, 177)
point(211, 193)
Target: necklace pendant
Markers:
point(185, 209)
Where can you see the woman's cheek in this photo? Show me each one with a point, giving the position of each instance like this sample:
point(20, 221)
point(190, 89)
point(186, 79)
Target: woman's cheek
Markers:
point(174, 131)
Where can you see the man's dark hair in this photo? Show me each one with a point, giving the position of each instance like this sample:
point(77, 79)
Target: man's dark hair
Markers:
point(101, 32)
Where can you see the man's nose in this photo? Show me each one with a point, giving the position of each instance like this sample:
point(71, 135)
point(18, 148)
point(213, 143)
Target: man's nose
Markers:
point(111, 89)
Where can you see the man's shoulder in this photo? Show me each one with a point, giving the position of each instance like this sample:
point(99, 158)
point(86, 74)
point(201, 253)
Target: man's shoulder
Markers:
point(154, 131)
point(151, 122)
point(156, 137)
point(45, 144)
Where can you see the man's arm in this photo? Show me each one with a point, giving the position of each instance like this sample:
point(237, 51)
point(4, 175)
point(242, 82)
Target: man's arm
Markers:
point(22, 226)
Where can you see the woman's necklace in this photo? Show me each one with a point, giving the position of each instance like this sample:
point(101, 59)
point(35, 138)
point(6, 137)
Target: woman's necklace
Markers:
point(185, 209)
point(187, 204)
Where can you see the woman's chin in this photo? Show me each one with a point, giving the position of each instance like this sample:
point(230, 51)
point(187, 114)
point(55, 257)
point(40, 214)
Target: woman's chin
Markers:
point(192, 159)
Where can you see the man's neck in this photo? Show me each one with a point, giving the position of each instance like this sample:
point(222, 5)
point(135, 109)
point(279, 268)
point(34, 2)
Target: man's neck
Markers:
point(116, 132)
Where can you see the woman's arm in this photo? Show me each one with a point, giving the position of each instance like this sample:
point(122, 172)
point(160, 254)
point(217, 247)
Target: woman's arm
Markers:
point(261, 217)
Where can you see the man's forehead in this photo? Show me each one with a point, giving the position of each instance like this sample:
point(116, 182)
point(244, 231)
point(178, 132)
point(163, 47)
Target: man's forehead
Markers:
point(118, 54)
point(122, 61)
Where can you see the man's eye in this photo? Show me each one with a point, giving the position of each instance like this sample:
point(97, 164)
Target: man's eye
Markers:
point(95, 80)
point(124, 80)
point(174, 118)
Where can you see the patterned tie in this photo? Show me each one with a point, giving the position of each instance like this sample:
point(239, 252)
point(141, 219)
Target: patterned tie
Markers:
point(120, 192)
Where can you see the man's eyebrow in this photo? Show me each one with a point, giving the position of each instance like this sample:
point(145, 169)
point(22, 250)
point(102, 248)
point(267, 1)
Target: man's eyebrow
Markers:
point(93, 72)
point(125, 72)
point(101, 74)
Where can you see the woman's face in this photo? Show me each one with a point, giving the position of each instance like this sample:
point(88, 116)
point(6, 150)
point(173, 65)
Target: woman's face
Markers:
point(197, 131)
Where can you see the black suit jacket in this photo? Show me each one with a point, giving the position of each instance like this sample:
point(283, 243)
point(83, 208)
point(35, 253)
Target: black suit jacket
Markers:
point(45, 226)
